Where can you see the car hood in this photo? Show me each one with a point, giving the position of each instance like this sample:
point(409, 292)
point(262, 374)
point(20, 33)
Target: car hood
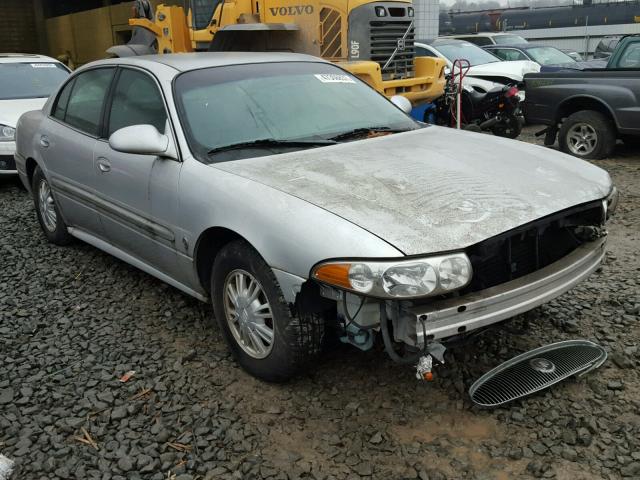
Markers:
point(11, 110)
point(431, 190)
point(588, 64)
point(515, 70)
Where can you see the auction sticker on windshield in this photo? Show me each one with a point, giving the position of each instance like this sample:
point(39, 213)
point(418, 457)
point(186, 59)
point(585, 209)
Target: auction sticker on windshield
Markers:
point(334, 78)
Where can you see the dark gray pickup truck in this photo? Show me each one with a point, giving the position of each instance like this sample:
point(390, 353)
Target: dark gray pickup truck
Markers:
point(588, 110)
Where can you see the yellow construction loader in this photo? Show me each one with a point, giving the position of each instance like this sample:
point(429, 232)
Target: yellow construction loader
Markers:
point(373, 40)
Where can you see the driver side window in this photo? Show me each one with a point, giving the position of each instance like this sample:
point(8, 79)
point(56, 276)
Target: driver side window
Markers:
point(136, 101)
point(630, 57)
point(509, 54)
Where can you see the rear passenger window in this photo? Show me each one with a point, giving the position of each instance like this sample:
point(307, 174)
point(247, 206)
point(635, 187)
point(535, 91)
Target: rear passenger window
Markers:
point(63, 99)
point(87, 97)
point(136, 101)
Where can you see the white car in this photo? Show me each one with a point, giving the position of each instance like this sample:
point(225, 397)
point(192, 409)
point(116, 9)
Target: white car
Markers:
point(26, 83)
point(490, 38)
point(487, 70)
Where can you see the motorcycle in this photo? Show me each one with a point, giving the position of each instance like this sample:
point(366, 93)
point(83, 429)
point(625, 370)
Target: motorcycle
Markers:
point(497, 110)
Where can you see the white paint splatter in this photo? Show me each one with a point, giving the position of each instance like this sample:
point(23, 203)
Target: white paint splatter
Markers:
point(6, 467)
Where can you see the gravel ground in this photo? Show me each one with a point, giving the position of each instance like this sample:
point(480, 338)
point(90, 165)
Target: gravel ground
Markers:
point(74, 320)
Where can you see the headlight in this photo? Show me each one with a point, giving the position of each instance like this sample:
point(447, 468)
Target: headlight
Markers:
point(381, 12)
point(416, 277)
point(611, 202)
point(410, 11)
point(7, 134)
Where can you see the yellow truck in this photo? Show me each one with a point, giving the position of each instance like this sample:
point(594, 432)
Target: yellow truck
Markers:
point(373, 40)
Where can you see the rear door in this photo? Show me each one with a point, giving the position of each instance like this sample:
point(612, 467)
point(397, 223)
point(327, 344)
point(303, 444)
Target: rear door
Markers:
point(138, 193)
point(67, 142)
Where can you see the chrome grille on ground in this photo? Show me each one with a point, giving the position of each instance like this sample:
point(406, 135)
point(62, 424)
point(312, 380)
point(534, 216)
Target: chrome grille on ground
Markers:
point(386, 37)
point(536, 370)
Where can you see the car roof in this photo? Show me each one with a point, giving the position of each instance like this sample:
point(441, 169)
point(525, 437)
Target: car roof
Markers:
point(442, 41)
point(193, 61)
point(482, 34)
point(25, 57)
point(519, 46)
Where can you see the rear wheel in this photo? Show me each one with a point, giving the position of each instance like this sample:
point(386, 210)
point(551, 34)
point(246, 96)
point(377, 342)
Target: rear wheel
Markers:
point(587, 134)
point(47, 211)
point(266, 339)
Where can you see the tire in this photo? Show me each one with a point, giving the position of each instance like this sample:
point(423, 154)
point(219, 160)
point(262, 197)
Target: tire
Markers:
point(51, 223)
point(510, 128)
point(593, 135)
point(295, 340)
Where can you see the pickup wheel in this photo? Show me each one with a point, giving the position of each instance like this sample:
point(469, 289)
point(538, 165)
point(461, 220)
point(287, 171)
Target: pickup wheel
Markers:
point(47, 211)
point(266, 339)
point(587, 134)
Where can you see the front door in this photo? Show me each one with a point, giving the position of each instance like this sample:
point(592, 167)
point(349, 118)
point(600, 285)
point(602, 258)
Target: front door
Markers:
point(67, 142)
point(138, 193)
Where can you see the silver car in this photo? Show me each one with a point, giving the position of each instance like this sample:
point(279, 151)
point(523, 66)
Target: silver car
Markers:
point(298, 200)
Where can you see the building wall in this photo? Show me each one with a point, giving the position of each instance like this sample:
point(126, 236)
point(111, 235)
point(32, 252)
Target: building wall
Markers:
point(18, 27)
point(85, 36)
point(427, 14)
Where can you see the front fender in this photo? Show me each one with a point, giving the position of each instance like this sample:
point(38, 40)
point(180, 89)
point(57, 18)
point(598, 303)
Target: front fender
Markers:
point(291, 234)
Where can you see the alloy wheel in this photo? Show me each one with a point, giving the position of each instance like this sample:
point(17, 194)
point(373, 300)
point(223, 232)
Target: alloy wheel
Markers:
point(248, 314)
point(47, 206)
point(582, 139)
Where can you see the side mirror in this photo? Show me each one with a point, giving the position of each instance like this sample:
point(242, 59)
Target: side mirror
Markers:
point(402, 103)
point(141, 140)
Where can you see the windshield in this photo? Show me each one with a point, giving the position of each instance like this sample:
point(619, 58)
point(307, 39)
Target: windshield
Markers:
point(30, 80)
point(549, 56)
point(304, 102)
point(467, 51)
point(509, 39)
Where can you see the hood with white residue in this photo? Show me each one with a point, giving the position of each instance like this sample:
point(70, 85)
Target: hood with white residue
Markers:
point(431, 190)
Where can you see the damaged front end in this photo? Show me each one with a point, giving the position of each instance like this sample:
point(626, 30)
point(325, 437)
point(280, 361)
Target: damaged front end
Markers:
point(423, 302)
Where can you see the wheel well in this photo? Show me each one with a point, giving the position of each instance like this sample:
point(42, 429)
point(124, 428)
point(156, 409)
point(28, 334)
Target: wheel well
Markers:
point(31, 167)
point(207, 247)
point(583, 103)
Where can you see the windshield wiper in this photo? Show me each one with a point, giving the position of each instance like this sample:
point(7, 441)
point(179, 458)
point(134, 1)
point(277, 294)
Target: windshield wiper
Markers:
point(358, 132)
point(271, 142)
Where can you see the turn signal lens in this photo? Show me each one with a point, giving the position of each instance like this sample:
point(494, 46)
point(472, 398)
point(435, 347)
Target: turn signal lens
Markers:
point(334, 274)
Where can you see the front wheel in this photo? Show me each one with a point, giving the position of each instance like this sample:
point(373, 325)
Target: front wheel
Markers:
point(266, 339)
point(47, 211)
point(510, 127)
point(587, 134)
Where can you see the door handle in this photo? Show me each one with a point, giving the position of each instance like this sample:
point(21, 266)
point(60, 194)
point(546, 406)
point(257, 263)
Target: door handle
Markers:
point(44, 141)
point(104, 165)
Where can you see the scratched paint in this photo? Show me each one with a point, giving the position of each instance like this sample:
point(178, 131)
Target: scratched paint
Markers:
point(431, 190)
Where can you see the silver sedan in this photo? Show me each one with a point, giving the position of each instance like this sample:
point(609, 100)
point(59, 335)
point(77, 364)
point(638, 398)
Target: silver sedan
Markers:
point(295, 198)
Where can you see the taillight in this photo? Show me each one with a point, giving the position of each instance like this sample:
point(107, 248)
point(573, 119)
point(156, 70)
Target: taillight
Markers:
point(512, 92)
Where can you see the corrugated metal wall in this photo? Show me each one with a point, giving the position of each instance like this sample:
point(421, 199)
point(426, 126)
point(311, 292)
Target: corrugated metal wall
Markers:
point(17, 27)
point(427, 13)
